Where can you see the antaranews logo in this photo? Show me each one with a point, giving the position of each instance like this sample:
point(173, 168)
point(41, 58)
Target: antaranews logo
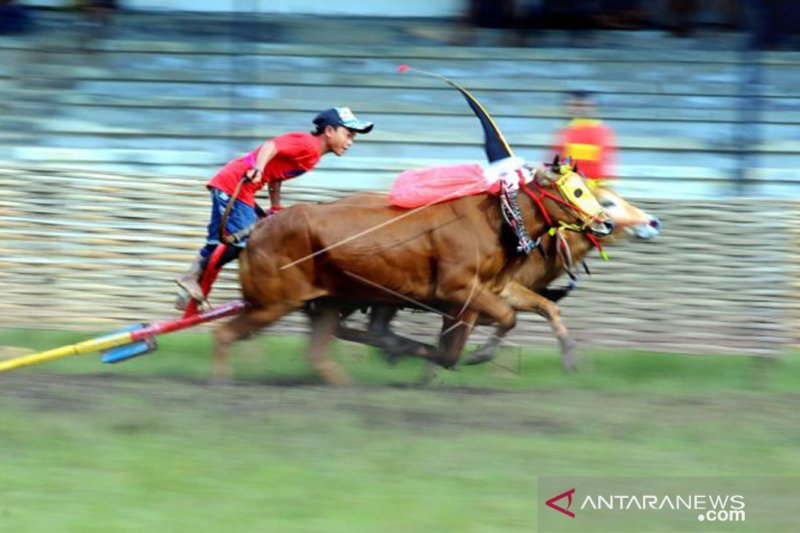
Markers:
point(551, 503)
point(719, 511)
point(665, 504)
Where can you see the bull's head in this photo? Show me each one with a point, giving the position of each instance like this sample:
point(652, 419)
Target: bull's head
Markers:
point(569, 200)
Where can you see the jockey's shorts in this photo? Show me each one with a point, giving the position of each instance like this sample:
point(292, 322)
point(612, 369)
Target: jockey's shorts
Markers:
point(241, 216)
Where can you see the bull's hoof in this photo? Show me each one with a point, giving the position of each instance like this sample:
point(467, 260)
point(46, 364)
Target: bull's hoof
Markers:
point(429, 375)
point(569, 357)
point(396, 348)
point(445, 362)
point(334, 376)
point(222, 379)
point(393, 350)
point(480, 356)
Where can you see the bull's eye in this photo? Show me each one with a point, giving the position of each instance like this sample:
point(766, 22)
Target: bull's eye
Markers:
point(578, 193)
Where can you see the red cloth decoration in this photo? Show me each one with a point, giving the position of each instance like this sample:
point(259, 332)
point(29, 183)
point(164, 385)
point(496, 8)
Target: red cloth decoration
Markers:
point(415, 188)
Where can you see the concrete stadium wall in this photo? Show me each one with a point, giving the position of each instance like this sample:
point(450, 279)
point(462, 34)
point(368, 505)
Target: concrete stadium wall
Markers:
point(372, 8)
point(183, 104)
point(93, 251)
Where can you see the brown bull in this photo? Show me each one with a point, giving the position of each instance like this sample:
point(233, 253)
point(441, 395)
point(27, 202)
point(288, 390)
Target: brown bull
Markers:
point(526, 291)
point(459, 254)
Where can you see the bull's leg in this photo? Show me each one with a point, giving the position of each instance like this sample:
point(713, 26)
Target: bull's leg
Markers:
point(395, 346)
point(523, 299)
point(455, 332)
point(240, 327)
point(380, 318)
point(484, 353)
point(323, 325)
point(380, 335)
point(475, 301)
point(453, 338)
point(358, 335)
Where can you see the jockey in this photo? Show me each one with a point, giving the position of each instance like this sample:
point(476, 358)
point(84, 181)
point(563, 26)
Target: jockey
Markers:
point(281, 158)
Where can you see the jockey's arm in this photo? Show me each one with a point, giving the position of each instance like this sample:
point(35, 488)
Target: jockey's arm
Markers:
point(275, 194)
point(265, 154)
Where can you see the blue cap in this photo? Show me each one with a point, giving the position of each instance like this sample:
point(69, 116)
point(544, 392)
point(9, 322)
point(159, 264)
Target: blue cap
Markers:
point(342, 116)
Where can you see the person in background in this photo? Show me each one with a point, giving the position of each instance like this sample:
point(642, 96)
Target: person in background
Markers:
point(284, 157)
point(587, 140)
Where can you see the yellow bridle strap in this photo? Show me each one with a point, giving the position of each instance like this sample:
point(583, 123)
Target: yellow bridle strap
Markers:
point(586, 203)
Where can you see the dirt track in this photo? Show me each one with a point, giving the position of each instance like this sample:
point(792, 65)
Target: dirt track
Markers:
point(441, 408)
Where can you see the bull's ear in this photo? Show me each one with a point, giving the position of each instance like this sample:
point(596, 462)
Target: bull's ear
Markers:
point(575, 167)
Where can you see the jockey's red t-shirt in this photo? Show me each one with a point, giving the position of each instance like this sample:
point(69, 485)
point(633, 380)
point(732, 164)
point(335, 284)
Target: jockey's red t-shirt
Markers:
point(296, 154)
point(591, 144)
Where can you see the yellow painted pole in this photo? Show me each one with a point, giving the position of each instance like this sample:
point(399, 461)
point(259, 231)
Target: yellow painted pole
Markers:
point(91, 345)
point(124, 337)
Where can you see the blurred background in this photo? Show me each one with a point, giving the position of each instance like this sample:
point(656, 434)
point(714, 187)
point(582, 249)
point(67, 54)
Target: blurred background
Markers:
point(115, 114)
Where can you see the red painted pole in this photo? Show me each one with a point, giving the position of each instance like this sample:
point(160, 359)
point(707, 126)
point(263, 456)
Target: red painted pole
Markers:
point(168, 326)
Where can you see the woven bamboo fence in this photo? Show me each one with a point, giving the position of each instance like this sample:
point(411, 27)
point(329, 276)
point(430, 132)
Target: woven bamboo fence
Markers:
point(91, 252)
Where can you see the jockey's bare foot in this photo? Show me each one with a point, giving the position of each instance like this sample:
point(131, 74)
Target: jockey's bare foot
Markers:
point(190, 280)
point(191, 286)
point(182, 300)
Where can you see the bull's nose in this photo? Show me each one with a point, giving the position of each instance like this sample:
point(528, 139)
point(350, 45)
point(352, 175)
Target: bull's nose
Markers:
point(655, 223)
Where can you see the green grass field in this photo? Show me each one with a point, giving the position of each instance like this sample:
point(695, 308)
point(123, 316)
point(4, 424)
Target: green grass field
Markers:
point(154, 445)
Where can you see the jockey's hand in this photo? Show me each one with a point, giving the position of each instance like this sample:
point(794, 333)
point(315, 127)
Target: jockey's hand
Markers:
point(255, 175)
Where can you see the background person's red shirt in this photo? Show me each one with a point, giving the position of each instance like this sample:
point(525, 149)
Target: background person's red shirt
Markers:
point(591, 143)
point(296, 154)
